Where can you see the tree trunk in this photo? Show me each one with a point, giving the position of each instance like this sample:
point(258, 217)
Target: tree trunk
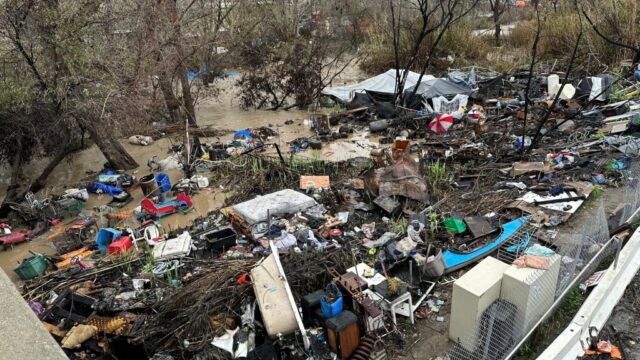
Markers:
point(187, 99)
point(16, 170)
point(111, 148)
point(170, 100)
point(497, 33)
point(37, 184)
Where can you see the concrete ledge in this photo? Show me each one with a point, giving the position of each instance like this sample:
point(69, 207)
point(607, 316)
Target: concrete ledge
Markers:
point(21, 334)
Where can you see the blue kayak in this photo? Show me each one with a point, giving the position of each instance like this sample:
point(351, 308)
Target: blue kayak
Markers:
point(454, 260)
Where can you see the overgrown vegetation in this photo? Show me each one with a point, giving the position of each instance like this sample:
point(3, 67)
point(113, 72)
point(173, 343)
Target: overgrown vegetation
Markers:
point(618, 21)
point(437, 176)
point(552, 327)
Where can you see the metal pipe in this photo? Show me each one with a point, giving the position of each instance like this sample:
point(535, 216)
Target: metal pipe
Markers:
point(292, 301)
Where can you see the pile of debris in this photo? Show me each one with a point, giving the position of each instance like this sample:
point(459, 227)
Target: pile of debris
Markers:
point(311, 258)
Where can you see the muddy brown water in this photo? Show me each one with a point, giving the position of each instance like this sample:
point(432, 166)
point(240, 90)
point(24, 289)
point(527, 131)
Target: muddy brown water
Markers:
point(221, 113)
point(76, 167)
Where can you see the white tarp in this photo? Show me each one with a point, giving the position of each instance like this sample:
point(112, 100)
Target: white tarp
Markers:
point(383, 83)
point(444, 106)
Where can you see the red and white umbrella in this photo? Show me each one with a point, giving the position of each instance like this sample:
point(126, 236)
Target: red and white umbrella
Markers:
point(441, 123)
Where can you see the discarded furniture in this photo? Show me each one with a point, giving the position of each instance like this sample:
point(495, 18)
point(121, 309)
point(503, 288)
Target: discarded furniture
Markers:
point(343, 334)
point(532, 291)
point(149, 231)
point(472, 294)
point(173, 248)
point(159, 210)
point(281, 202)
point(396, 304)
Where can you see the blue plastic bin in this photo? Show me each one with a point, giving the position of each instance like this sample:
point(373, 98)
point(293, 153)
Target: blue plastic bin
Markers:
point(106, 236)
point(331, 309)
point(164, 183)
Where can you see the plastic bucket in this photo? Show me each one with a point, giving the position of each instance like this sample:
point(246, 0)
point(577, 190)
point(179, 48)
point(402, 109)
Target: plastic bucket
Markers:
point(163, 182)
point(329, 309)
point(148, 185)
point(435, 266)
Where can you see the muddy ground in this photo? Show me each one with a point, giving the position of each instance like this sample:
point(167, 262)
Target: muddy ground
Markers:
point(623, 327)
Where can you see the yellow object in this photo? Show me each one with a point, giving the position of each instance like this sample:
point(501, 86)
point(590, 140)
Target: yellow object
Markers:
point(115, 325)
point(77, 335)
point(68, 257)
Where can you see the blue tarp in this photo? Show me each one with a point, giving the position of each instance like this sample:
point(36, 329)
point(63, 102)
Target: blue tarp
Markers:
point(240, 134)
point(107, 189)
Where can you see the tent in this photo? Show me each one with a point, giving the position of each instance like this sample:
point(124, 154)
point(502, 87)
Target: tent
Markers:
point(433, 88)
point(384, 83)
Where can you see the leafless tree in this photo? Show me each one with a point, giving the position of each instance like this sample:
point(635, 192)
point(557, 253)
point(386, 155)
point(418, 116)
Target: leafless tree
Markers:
point(617, 42)
point(498, 7)
point(534, 52)
point(434, 18)
point(541, 123)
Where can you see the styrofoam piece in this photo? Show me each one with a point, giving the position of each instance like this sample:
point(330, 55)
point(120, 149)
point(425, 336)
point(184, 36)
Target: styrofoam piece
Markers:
point(202, 181)
point(472, 294)
point(173, 248)
point(281, 202)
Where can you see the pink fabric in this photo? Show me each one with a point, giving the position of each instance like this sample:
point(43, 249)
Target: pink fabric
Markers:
point(532, 261)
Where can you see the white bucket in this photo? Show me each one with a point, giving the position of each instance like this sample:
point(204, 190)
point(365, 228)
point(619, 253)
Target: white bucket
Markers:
point(567, 92)
point(552, 81)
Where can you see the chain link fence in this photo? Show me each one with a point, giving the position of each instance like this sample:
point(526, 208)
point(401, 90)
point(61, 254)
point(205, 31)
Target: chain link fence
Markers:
point(528, 295)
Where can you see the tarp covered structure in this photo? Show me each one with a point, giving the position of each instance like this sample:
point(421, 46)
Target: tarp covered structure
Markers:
point(384, 83)
point(434, 87)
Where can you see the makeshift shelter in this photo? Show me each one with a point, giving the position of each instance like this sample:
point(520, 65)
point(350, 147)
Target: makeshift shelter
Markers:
point(433, 88)
point(384, 83)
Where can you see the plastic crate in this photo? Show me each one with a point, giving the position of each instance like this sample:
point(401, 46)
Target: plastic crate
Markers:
point(31, 267)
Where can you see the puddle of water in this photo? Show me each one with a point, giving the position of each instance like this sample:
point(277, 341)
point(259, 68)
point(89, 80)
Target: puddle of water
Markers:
point(222, 114)
point(11, 258)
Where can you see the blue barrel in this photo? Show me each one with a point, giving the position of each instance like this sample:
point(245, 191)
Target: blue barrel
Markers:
point(163, 182)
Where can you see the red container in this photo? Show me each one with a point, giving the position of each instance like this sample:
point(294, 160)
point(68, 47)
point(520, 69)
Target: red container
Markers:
point(121, 245)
